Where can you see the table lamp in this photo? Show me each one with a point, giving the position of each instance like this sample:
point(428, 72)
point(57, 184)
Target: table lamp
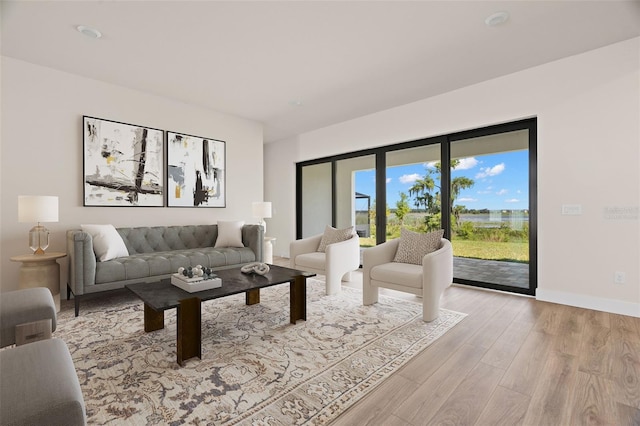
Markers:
point(262, 210)
point(38, 208)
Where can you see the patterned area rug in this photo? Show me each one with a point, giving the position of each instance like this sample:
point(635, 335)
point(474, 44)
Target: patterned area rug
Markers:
point(256, 368)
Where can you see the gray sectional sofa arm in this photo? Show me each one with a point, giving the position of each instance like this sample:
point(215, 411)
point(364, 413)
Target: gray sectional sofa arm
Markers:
point(154, 254)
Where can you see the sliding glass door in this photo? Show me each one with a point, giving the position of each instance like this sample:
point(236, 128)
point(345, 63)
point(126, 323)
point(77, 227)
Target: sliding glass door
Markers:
point(490, 209)
point(487, 177)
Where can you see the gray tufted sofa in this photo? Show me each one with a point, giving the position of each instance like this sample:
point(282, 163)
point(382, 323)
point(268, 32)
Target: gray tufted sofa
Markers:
point(154, 253)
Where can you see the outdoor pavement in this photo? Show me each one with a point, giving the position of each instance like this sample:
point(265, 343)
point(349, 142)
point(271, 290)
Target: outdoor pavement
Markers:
point(492, 271)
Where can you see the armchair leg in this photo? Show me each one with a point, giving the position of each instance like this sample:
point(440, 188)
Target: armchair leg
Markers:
point(369, 295)
point(333, 285)
point(347, 277)
point(430, 308)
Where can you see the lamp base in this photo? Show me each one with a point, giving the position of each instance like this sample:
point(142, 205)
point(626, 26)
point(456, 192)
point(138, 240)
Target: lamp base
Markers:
point(38, 239)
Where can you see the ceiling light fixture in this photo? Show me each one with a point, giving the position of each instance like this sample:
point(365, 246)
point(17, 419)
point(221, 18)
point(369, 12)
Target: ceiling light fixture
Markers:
point(496, 19)
point(89, 32)
point(295, 102)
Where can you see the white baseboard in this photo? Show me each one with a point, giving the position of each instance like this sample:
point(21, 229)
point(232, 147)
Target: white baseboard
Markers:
point(596, 303)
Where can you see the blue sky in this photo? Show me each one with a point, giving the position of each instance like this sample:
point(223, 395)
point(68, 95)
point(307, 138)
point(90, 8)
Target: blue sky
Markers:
point(501, 181)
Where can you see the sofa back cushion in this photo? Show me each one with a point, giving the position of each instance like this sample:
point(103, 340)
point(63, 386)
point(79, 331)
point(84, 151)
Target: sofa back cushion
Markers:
point(165, 238)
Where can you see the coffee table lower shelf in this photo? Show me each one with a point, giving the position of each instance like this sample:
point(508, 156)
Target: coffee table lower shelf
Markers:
point(158, 297)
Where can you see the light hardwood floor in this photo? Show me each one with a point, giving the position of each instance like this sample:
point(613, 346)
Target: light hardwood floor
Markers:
point(513, 361)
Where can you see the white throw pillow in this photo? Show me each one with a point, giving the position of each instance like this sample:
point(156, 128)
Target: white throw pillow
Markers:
point(332, 235)
point(107, 243)
point(230, 234)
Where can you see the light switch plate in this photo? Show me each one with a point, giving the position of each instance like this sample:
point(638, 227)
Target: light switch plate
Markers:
point(572, 209)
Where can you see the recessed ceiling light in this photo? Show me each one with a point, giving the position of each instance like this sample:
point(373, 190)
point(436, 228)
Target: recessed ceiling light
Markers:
point(496, 19)
point(89, 32)
point(295, 102)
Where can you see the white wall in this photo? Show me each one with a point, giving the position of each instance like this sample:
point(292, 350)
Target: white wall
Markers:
point(41, 154)
point(588, 109)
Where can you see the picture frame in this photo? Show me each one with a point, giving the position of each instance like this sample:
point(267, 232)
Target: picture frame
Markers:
point(196, 171)
point(123, 164)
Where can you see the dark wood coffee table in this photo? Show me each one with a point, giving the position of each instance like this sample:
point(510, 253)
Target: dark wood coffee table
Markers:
point(160, 296)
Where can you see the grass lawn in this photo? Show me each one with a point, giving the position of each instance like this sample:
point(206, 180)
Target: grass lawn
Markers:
point(513, 252)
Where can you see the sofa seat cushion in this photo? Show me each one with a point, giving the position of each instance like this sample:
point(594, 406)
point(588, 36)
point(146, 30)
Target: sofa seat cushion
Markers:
point(144, 265)
point(405, 274)
point(314, 260)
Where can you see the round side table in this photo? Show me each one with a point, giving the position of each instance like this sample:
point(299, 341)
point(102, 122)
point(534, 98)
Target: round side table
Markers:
point(41, 270)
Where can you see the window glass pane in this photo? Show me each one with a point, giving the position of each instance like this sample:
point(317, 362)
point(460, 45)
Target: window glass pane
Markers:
point(316, 198)
point(413, 189)
point(490, 208)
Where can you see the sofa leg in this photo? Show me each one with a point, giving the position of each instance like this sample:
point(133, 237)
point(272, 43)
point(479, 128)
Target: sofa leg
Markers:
point(68, 292)
point(76, 301)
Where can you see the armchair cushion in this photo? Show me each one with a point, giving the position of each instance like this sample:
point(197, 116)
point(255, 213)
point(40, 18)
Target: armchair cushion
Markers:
point(332, 235)
point(404, 274)
point(414, 245)
point(315, 260)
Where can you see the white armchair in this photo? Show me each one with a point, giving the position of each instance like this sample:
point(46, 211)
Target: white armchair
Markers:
point(336, 263)
point(428, 280)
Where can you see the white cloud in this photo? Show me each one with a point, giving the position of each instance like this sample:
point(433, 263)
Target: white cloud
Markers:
point(466, 163)
point(430, 164)
point(467, 200)
point(502, 192)
point(484, 192)
point(491, 171)
point(388, 180)
point(409, 178)
point(512, 200)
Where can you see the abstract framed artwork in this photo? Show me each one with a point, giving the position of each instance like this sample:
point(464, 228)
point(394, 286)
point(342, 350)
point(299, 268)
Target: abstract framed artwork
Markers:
point(123, 164)
point(196, 171)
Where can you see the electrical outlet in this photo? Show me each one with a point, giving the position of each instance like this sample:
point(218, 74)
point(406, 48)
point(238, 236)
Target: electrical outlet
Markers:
point(619, 277)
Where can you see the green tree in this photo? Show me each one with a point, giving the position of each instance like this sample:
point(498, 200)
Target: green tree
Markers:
point(402, 207)
point(421, 191)
point(427, 193)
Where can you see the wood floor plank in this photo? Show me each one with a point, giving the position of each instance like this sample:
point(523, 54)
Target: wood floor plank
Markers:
point(591, 402)
point(627, 416)
point(597, 318)
point(597, 351)
point(469, 399)
point(625, 366)
point(380, 404)
point(433, 393)
point(502, 353)
point(524, 372)
point(549, 320)
point(505, 408)
point(423, 365)
point(495, 326)
point(624, 327)
point(550, 402)
point(532, 310)
point(570, 328)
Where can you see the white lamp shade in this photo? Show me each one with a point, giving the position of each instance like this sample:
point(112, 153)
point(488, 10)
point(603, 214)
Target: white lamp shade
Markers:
point(261, 209)
point(37, 208)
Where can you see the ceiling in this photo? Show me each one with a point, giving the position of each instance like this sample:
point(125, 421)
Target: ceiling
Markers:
point(296, 65)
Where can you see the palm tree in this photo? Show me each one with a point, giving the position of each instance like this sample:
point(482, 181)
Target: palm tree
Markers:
point(427, 193)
